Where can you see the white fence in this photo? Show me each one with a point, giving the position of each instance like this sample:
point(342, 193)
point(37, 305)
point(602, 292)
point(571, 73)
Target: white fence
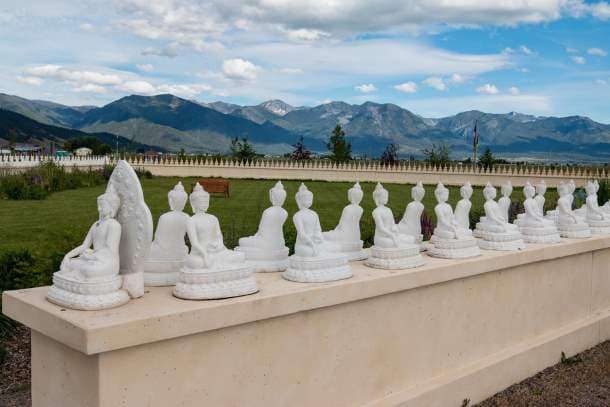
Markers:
point(18, 163)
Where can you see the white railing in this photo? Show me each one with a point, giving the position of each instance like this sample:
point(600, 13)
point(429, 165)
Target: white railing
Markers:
point(19, 162)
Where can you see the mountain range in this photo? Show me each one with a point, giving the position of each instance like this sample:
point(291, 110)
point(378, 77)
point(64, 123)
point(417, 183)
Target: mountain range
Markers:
point(173, 123)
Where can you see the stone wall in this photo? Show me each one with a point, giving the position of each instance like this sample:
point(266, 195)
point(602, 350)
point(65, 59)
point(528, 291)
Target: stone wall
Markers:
point(432, 336)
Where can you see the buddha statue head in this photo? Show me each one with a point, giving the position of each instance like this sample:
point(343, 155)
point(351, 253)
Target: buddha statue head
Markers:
point(466, 190)
point(277, 194)
point(489, 192)
point(507, 189)
point(441, 193)
point(541, 187)
point(590, 188)
point(571, 186)
point(380, 195)
point(596, 183)
point(528, 190)
point(418, 192)
point(177, 197)
point(355, 194)
point(562, 189)
point(304, 197)
point(200, 199)
point(108, 203)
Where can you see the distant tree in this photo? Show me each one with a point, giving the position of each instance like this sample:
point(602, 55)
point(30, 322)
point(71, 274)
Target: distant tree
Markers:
point(487, 159)
point(437, 155)
point(182, 154)
point(390, 154)
point(340, 148)
point(98, 147)
point(242, 150)
point(300, 151)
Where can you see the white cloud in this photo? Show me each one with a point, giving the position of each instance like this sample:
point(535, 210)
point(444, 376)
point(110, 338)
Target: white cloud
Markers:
point(601, 10)
point(73, 76)
point(525, 50)
point(571, 50)
point(169, 51)
point(304, 34)
point(240, 69)
point(87, 27)
point(90, 88)
point(138, 87)
point(291, 70)
point(513, 90)
point(601, 82)
point(488, 89)
point(457, 78)
point(435, 82)
point(29, 80)
point(366, 88)
point(407, 87)
point(578, 60)
point(508, 51)
point(185, 91)
point(145, 67)
point(598, 52)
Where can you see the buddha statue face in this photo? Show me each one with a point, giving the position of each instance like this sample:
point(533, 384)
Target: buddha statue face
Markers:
point(466, 191)
point(541, 188)
point(507, 189)
point(108, 204)
point(590, 188)
point(304, 197)
point(418, 192)
point(489, 192)
point(562, 189)
point(177, 198)
point(277, 195)
point(528, 190)
point(380, 195)
point(441, 193)
point(355, 194)
point(200, 199)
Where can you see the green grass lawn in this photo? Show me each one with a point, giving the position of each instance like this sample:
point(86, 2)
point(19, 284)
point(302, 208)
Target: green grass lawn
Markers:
point(48, 228)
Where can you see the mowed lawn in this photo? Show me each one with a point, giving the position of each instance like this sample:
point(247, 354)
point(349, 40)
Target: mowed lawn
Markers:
point(52, 226)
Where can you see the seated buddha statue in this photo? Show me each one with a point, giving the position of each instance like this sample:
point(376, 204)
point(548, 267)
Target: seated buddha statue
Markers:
point(535, 228)
point(346, 236)
point(462, 209)
point(168, 250)
point(211, 270)
point(596, 218)
point(410, 224)
point(315, 259)
point(568, 223)
point(493, 229)
point(266, 250)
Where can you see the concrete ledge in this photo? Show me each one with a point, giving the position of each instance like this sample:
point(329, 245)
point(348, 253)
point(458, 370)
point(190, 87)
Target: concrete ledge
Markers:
point(428, 336)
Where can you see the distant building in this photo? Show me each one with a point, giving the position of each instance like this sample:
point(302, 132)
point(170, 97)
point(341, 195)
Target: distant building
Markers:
point(83, 152)
point(26, 149)
point(62, 153)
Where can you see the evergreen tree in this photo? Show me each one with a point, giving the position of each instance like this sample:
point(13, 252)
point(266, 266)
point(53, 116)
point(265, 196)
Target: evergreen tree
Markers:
point(300, 151)
point(487, 160)
point(242, 150)
point(390, 155)
point(437, 155)
point(340, 149)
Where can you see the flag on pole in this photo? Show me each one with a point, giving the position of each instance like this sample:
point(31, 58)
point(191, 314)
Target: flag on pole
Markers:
point(475, 139)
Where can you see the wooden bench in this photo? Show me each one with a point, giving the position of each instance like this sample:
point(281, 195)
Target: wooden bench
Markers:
point(218, 186)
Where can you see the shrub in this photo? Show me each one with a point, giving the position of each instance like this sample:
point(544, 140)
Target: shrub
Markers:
point(475, 216)
point(427, 227)
point(515, 208)
point(603, 194)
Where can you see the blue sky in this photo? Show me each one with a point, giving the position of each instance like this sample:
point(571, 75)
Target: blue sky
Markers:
point(434, 57)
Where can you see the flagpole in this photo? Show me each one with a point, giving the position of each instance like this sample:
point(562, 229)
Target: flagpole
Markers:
point(475, 145)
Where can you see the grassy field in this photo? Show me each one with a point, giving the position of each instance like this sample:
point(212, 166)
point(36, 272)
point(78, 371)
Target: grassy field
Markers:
point(50, 227)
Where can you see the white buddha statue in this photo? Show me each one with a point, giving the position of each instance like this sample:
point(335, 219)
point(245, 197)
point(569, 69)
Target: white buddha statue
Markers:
point(391, 249)
point(211, 270)
point(539, 197)
point(266, 251)
point(168, 250)
point(504, 202)
point(596, 218)
point(105, 271)
point(534, 227)
point(568, 223)
point(493, 229)
point(450, 240)
point(410, 224)
point(95, 263)
point(347, 233)
point(462, 209)
point(315, 259)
